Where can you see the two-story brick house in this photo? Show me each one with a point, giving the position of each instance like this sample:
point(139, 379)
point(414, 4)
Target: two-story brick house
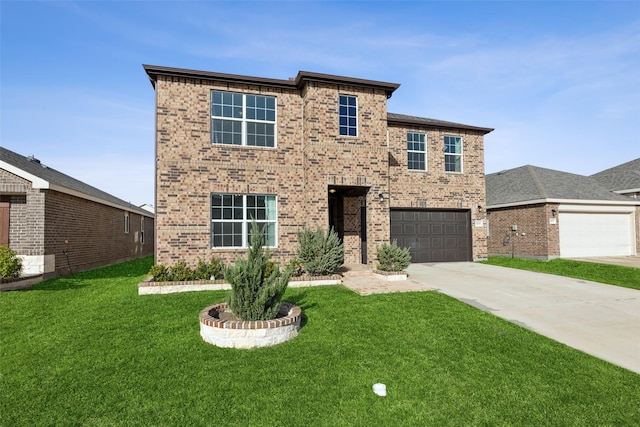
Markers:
point(314, 150)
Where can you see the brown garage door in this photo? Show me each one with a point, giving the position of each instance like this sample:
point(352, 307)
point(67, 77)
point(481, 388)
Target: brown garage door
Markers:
point(433, 235)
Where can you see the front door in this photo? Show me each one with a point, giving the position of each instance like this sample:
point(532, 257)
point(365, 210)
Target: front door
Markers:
point(348, 217)
point(4, 223)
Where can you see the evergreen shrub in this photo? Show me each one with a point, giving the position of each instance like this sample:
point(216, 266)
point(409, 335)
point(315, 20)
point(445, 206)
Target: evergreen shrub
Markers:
point(391, 257)
point(320, 254)
point(257, 285)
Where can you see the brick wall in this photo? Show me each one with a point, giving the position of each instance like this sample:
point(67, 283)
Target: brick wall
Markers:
point(91, 234)
point(334, 160)
point(189, 168)
point(310, 158)
point(26, 220)
point(436, 189)
point(535, 238)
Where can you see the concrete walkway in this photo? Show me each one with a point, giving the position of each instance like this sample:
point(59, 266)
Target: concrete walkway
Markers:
point(625, 261)
point(601, 320)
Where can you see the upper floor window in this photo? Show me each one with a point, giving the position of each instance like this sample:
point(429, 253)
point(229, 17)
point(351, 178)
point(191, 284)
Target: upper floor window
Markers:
point(243, 119)
point(416, 151)
point(348, 115)
point(453, 153)
point(233, 214)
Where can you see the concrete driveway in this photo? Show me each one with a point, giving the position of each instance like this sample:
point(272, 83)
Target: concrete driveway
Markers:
point(601, 320)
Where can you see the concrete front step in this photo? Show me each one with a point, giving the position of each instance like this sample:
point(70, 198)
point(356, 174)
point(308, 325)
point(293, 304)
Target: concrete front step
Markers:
point(355, 270)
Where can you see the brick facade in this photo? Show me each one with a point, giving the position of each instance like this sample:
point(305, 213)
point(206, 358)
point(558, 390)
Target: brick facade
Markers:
point(54, 232)
point(312, 170)
point(536, 236)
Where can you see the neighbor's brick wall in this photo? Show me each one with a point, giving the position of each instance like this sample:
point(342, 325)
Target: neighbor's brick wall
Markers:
point(436, 189)
point(536, 237)
point(189, 168)
point(26, 215)
point(91, 233)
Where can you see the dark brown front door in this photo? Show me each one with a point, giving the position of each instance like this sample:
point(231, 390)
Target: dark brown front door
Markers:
point(4, 223)
point(433, 235)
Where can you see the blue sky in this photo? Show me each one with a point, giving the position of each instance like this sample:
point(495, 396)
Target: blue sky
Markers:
point(559, 81)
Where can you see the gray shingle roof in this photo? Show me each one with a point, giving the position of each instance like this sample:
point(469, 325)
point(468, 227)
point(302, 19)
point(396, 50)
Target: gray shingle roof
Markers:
point(622, 177)
point(404, 119)
point(530, 183)
point(36, 168)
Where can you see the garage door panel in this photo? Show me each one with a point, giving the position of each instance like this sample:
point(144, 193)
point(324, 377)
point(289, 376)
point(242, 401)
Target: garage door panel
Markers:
point(596, 234)
point(433, 235)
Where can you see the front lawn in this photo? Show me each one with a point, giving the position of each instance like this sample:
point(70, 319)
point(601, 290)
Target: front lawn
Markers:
point(88, 350)
point(627, 277)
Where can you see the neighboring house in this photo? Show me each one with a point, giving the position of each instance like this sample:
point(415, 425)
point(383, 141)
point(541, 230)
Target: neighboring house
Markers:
point(149, 208)
point(623, 179)
point(312, 151)
point(543, 214)
point(59, 225)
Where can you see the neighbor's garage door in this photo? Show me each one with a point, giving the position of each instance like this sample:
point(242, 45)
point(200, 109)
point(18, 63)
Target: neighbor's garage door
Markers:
point(433, 235)
point(585, 234)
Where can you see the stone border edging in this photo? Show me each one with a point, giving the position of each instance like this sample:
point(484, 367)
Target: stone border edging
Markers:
point(20, 284)
point(390, 276)
point(148, 287)
point(249, 333)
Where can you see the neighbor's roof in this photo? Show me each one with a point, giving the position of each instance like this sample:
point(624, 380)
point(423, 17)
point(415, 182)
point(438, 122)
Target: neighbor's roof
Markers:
point(402, 119)
point(530, 184)
point(44, 177)
point(624, 178)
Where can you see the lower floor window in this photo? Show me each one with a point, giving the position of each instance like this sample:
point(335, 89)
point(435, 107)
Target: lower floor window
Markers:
point(232, 216)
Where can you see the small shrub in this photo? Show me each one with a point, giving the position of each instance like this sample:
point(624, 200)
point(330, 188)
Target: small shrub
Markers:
point(10, 264)
point(180, 272)
point(159, 272)
point(211, 270)
point(254, 294)
point(295, 267)
point(320, 254)
point(392, 257)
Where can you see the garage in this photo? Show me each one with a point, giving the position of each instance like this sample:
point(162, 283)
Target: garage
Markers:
point(433, 235)
point(596, 231)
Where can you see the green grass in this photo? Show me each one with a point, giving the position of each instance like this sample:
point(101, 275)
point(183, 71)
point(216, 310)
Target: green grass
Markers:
point(89, 351)
point(628, 277)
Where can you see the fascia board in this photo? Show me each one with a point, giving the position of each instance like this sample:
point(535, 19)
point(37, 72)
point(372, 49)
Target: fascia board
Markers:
point(630, 190)
point(567, 201)
point(37, 183)
point(565, 207)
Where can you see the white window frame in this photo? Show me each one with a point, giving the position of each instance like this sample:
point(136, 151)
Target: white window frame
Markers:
point(245, 221)
point(126, 222)
point(460, 154)
point(347, 116)
point(244, 121)
point(423, 152)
